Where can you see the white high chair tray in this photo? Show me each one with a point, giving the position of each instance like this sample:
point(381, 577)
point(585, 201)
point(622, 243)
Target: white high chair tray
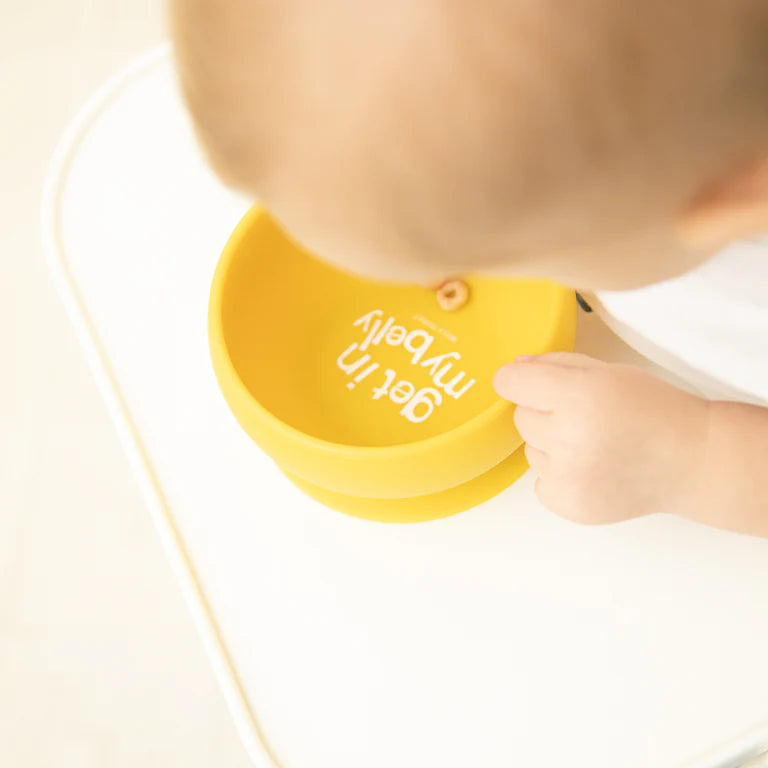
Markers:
point(500, 637)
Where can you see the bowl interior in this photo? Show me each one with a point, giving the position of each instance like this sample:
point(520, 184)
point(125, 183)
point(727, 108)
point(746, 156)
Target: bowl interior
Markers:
point(368, 364)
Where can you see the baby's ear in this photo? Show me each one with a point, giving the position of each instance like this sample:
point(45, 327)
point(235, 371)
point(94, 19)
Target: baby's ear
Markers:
point(733, 208)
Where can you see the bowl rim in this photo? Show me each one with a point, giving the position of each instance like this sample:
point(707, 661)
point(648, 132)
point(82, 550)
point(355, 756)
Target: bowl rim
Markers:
point(225, 367)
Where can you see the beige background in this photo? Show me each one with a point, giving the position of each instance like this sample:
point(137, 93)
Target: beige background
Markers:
point(99, 662)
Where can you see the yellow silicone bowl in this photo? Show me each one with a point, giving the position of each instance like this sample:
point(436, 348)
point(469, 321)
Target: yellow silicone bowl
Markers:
point(369, 396)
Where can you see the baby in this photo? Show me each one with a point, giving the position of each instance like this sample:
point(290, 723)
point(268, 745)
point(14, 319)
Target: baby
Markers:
point(607, 144)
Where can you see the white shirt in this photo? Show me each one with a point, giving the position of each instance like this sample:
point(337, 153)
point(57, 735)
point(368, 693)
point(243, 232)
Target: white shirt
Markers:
point(709, 326)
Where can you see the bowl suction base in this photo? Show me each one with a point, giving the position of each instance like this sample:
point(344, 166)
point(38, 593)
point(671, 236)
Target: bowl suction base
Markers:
point(419, 509)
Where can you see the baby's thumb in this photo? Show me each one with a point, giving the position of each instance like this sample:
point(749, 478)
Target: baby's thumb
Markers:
point(562, 359)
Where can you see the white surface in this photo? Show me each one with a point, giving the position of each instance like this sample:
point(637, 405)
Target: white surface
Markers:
point(100, 665)
point(500, 637)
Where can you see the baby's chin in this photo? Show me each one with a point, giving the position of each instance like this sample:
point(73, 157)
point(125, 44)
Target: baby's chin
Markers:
point(392, 272)
point(379, 263)
point(584, 281)
point(384, 267)
point(620, 267)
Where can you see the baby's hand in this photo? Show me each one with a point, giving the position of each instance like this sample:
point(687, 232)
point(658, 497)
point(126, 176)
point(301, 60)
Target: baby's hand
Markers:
point(608, 442)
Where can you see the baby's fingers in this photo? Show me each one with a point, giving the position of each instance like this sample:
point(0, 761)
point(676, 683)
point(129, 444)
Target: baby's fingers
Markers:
point(535, 427)
point(538, 461)
point(540, 386)
point(566, 360)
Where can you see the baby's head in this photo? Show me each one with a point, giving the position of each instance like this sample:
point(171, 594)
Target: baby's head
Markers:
point(604, 143)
